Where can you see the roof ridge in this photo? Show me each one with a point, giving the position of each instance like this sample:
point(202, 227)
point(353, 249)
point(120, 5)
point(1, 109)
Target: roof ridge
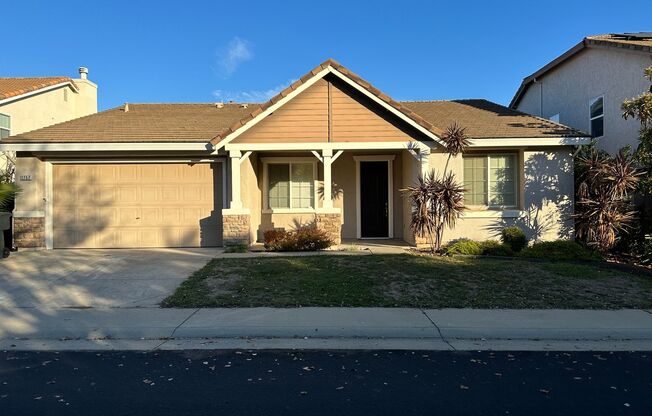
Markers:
point(330, 62)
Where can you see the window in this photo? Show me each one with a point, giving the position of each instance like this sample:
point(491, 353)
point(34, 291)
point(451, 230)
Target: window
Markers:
point(596, 115)
point(554, 118)
point(291, 185)
point(5, 126)
point(490, 180)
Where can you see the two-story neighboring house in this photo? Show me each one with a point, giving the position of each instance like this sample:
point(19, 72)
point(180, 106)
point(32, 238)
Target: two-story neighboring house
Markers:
point(31, 103)
point(585, 87)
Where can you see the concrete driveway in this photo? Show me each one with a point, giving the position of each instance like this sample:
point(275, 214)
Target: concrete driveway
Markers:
point(96, 278)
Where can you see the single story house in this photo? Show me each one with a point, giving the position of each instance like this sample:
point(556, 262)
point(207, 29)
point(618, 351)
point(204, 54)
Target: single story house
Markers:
point(330, 150)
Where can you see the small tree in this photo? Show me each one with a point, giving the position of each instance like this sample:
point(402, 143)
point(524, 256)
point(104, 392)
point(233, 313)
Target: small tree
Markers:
point(438, 201)
point(604, 208)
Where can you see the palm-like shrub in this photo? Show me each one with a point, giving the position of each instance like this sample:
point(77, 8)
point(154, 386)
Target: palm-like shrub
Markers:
point(437, 202)
point(8, 192)
point(604, 208)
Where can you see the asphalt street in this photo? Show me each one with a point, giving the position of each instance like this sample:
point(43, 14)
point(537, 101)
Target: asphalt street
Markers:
point(325, 383)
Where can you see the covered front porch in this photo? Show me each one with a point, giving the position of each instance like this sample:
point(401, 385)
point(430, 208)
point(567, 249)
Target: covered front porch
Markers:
point(351, 190)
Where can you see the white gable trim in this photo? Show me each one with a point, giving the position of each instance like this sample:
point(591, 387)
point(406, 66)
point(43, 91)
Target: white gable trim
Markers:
point(39, 91)
point(305, 86)
point(382, 103)
point(271, 109)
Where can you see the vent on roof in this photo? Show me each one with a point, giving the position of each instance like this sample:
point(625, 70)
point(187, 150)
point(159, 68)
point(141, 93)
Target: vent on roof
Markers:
point(633, 36)
point(244, 105)
point(219, 105)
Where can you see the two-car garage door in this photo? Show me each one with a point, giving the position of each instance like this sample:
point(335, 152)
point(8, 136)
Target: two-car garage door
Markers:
point(137, 205)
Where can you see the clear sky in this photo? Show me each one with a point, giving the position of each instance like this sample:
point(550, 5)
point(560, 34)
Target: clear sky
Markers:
point(206, 51)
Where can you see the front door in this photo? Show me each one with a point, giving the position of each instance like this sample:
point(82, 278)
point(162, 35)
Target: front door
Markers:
point(374, 199)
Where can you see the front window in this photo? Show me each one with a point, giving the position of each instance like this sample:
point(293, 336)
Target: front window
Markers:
point(5, 126)
point(291, 186)
point(490, 180)
point(596, 115)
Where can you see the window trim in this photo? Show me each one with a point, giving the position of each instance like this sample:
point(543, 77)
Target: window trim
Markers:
point(591, 101)
point(517, 187)
point(288, 161)
point(8, 130)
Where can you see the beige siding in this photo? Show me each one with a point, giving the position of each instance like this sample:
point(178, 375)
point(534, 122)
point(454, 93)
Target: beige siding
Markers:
point(356, 120)
point(302, 119)
point(137, 205)
point(305, 118)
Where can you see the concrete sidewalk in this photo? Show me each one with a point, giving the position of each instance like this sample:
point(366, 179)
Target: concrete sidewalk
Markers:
point(147, 328)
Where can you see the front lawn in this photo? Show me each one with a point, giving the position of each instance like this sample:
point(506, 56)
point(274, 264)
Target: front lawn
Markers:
point(406, 280)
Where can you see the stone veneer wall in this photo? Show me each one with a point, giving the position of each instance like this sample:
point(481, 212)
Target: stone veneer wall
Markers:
point(29, 232)
point(236, 229)
point(332, 224)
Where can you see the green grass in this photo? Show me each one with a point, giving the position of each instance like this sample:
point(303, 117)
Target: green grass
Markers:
point(406, 280)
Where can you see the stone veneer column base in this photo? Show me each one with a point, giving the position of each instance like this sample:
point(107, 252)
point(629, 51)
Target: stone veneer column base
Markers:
point(236, 229)
point(29, 232)
point(331, 223)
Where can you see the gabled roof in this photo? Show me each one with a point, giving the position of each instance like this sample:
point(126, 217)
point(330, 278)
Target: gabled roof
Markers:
point(152, 123)
point(632, 42)
point(320, 71)
point(142, 123)
point(12, 87)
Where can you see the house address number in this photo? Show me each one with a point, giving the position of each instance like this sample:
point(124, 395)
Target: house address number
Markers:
point(25, 178)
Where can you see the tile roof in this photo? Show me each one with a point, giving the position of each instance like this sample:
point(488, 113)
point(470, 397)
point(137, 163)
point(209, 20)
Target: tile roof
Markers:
point(340, 68)
point(199, 122)
point(142, 123)
point(485, 119)
point(617, 41)
point(11, 87)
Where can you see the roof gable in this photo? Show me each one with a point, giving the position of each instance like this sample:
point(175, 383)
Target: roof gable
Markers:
point(328, 67)
point(615, 41)
point(14, 87)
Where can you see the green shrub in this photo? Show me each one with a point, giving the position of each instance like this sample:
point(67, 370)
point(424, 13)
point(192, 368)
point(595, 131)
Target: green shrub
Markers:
point(236, 248)
point(560, 250)
point(463, 246)
point(303, 239)
point(496, 248)
point(514, 237)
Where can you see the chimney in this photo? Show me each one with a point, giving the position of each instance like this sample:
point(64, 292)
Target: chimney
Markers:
point(83, 72)
point(126, 108)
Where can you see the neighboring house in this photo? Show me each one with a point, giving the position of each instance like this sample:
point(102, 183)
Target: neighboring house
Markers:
point(585, 87)
point(330, 150)
point(31, 103)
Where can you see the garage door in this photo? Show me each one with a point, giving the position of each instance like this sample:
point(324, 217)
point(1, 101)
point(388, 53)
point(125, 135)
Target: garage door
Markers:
point(137, 205)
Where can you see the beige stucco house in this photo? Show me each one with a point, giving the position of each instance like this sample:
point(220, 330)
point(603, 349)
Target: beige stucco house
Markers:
point(585, 87)
point(330, 150)
point(29, 103)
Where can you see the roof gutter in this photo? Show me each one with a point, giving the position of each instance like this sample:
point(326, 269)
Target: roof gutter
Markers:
point(108, 146)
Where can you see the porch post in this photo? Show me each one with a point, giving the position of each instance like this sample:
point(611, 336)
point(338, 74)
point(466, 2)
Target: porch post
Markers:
point(236, 198)
point(327, 155)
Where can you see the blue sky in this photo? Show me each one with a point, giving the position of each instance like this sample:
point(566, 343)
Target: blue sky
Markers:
point(205, 51)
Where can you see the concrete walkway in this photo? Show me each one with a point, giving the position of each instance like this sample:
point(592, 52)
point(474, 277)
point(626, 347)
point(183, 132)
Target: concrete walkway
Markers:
point(148, 328)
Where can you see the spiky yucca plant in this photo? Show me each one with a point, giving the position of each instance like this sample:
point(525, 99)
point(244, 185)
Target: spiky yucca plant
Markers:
point(438, 200)
point(604, 207)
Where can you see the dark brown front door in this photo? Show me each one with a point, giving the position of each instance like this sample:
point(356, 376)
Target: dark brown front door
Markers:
point(374, 200)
